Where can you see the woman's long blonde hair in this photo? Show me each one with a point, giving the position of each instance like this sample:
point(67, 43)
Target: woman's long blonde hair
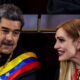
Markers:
point(65, 70)
point(72, 28)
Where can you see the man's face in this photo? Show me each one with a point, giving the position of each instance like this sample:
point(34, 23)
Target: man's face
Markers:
point(9, 35)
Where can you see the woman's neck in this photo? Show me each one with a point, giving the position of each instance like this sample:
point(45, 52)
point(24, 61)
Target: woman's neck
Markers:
point(76, 59)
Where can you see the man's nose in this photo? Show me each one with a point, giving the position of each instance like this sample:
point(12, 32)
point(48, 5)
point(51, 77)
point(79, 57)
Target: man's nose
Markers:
point(9, 36)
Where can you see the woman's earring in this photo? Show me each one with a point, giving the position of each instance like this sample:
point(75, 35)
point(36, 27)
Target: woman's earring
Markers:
point(78, 49)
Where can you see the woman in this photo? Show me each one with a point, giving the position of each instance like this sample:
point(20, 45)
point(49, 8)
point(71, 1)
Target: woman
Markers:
point(68, 46)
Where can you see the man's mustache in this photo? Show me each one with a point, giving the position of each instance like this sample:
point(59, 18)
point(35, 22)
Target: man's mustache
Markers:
point(7, 42)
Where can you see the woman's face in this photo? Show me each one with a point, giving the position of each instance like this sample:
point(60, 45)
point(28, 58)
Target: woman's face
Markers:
point(65, 45)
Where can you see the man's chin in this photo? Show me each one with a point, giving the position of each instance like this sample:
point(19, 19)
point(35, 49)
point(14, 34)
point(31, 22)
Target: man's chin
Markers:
point(6, 52)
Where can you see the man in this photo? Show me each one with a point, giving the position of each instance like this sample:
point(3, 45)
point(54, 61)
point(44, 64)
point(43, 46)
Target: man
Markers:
point(15, 63)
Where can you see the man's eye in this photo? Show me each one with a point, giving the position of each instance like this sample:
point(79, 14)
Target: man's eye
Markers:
point(16, 32)
point(61, 40)
point(5, 31)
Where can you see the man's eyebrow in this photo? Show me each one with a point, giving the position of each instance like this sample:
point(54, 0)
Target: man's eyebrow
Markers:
point(4, 28)
point(17, 30)
point(9, 29)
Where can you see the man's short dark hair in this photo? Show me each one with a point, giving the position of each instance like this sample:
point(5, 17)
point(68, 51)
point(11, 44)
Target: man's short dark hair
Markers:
point(12, 12)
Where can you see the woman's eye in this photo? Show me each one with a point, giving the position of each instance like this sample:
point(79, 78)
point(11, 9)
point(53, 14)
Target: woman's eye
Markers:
point(61, 40)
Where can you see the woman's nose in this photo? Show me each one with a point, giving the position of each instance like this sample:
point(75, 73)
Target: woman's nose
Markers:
point(56, 45)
